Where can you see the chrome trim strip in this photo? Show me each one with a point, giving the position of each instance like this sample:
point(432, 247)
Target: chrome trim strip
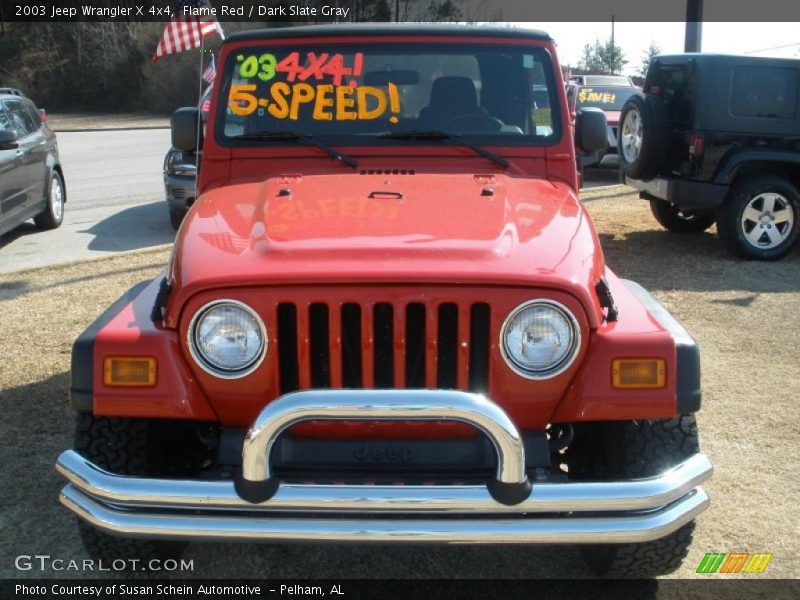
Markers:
point(221, 526)
point(635, 495)
point(382, 405)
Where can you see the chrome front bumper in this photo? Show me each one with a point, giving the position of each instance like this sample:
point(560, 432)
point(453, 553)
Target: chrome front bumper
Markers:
point(257, 507)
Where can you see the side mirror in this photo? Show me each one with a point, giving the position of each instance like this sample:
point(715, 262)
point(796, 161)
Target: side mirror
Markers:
point(8, 139)
point(591, 129)
point(185, 126)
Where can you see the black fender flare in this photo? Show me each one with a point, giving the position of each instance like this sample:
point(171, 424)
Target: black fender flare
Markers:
point(82, 384)
point(688, 393)
point(730, 166)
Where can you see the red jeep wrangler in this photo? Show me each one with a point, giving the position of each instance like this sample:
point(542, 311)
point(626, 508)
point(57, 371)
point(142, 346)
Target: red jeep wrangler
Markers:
point(387, 318)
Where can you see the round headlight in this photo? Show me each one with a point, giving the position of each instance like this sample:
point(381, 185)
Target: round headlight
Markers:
point(227, 338)
point(540, 339)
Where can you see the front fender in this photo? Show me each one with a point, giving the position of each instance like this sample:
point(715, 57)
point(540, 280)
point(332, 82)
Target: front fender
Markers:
point(644, 330)
point(125, 329)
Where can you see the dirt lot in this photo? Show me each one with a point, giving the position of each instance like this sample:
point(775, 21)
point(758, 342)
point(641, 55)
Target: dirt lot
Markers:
point(745, 316)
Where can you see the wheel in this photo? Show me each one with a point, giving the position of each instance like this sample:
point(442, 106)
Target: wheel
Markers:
point(124, 447)
point(642, 137)
point(633, 450)
point(176, 216)
point(53, 214)
point(760, 218)
point(671, 218)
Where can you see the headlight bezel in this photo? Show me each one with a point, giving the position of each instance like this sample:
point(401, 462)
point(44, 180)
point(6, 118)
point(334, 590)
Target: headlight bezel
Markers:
point(204, 363)
point(559, 367)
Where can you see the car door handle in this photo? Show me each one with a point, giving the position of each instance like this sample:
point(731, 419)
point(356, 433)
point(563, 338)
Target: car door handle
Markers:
point(19, 153)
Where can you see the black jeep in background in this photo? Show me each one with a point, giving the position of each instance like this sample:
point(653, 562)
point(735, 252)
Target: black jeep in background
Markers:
point(716, 138)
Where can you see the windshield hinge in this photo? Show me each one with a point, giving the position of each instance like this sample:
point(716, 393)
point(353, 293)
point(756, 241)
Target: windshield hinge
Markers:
point(606, 299)
point(160, 304)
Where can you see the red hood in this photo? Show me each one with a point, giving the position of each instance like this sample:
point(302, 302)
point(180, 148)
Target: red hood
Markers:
point(347, 228)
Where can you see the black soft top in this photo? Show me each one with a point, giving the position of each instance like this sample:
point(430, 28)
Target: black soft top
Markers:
point(703, 58)
point(394, 29)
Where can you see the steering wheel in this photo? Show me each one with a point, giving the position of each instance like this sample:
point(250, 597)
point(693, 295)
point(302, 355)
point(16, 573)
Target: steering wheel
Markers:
point(476, 123)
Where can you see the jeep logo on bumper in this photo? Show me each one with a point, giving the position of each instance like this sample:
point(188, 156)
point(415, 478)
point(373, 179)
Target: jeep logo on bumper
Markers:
point(383, 453)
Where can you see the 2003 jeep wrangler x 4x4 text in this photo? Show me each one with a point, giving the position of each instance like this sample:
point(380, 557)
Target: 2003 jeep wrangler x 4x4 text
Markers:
point(387, 318)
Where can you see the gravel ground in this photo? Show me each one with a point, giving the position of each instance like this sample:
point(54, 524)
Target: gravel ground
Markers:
point(87, 122)
point(744, 316)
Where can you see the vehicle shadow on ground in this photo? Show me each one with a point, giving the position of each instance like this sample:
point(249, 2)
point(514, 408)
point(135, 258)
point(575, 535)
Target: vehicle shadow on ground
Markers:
point(38, 425)
point(599, 177)
point(664, 261)
point(23, 230)
point(140, 226)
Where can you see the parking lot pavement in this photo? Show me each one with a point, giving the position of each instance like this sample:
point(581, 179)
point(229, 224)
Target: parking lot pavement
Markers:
point(115, 201)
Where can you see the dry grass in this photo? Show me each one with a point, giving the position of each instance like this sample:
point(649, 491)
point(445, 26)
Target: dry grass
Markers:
point(88, 122)
point(744, 316)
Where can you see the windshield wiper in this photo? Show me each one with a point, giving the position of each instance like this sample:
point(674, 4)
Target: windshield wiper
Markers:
point(443, 135)
point(290, 136)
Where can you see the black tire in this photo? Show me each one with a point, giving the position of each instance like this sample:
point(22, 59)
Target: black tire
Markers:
point(631, 450)
point(737, 232)
point(51, 217)
point(654, 137)
point(671, 218)
point(176, 216)
point(124, 447)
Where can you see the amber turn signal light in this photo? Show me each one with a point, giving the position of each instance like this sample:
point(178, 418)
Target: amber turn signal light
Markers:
point(129, 371)
point(638, 373)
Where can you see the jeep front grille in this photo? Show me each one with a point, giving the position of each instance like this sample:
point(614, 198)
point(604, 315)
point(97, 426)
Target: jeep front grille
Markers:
point(382, 345)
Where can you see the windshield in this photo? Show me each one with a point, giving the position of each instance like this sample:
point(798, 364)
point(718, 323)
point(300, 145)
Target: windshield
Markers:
point(605, 98)
point(356, 94)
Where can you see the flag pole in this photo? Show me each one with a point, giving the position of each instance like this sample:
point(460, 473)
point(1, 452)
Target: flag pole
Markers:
point(199, 115)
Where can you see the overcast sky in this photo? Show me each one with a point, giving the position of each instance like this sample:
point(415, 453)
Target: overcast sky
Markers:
point(759, 39)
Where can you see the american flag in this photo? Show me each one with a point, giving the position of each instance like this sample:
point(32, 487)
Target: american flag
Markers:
point(183, 33)
point(211, 71)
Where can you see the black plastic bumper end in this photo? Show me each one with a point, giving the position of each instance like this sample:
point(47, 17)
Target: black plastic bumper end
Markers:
point(509, 493)
point(255, 491)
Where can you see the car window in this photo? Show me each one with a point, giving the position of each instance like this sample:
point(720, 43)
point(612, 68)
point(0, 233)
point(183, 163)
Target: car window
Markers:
point(675, 86)
point(356, 94)
point(766, 92)
point(5, 121)
point(21, 120)
point(605, 98)
point(34, 114)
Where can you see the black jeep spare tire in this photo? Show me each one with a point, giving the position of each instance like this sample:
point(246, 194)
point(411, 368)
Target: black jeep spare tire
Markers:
point(642, 137)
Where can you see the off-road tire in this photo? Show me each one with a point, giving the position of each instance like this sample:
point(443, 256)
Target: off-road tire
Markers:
point(729, 216)
point(632, 450)
point(671, 218)
point(655, 137)
point(124, 447)
point(176, 216)
point(48, 219)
